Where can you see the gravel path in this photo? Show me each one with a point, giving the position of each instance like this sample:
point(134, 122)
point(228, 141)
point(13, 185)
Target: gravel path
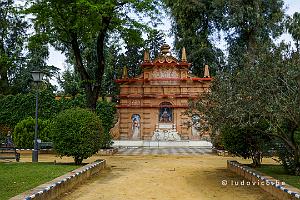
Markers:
point(165, 177)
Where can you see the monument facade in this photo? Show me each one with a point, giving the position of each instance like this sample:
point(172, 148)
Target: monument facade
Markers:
point(152, 106)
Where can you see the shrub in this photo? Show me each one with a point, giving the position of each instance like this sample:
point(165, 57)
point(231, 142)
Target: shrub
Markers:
point(23, 134)
point(76, 132)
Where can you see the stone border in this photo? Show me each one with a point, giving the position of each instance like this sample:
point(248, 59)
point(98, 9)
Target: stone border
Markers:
point(273, 186)
point(62, 184)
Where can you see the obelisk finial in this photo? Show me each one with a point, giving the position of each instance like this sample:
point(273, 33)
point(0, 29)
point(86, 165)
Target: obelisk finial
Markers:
point(146, 56)
point(206, 72)
point(183, 55)
point(125, 72)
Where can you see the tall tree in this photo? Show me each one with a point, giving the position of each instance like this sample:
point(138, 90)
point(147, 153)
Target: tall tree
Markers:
point(35, 59)
point(69, 82)
point(112, 71)
point(76, 26)
point(132, 58)
point(250, 25)
point(194, 25)
point(12, 37)
point(155, 39)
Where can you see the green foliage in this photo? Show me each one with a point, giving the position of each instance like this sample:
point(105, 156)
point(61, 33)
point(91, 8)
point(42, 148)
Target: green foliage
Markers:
point(246, 142)
point(113, 70)
point(254, 24)
point(216, 140)
point(106, 111)
point(155, 39)
point(76, 133)
point(293, 28)
point(194, 24)
point(23, 135)
point(80, 29)
point(12, 37)
point(262, 91)
point(70, 83)
point(287, 146)
point(14, 108)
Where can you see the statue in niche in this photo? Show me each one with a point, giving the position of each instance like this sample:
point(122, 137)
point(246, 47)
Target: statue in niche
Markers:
point(165, 115)
point(135, 126)
point(196, 125)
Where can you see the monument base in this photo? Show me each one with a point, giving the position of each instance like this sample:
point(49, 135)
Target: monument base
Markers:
point(165, 132)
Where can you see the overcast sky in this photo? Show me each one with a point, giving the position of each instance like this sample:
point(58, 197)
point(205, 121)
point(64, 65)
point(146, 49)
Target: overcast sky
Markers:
point(58, 60)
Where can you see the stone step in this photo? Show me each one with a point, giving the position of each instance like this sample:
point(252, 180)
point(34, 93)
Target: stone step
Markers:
point(149, 143)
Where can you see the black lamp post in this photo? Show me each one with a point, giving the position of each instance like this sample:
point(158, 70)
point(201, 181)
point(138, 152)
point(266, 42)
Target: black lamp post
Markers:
point(37, 78)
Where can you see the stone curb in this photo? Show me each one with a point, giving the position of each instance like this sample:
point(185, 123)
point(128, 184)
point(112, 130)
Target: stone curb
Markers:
point(289, 192)
point(62, 184)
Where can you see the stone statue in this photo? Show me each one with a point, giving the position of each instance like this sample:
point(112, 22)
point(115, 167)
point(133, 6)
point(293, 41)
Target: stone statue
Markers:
point(165, 117)
point(135, 127)
point(196, 125)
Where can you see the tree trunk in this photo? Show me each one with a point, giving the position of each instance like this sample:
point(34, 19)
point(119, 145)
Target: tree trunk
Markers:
point(78, 160)
point(4, 88)
point(92, 87)
point(256, 159)
point(91, 92)
point(92, 97)
point(297, 160)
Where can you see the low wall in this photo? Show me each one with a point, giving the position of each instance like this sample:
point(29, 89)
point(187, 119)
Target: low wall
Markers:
point(62, 184)
point(275, 187)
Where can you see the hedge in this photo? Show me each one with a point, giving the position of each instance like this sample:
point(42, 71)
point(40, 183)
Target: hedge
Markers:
point(14, 109)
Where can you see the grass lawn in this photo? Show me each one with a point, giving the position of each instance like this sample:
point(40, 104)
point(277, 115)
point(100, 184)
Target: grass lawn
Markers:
point(16, 178)
point(279, 173)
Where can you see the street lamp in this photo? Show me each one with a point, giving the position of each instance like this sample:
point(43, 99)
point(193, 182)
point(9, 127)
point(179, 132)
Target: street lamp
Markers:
point(37, 78)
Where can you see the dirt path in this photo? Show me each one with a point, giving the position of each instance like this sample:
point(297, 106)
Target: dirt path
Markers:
point(165, 178)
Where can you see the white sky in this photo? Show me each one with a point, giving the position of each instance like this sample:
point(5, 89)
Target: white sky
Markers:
point(58, 60)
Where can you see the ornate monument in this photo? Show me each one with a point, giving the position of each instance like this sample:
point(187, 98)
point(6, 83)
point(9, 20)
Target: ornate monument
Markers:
point(152, 105)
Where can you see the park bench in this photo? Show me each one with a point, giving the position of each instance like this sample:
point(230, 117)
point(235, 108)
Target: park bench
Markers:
point(45, 145)
point(9, 152)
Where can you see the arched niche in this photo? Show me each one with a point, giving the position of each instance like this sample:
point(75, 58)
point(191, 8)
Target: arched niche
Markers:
point(165, 113)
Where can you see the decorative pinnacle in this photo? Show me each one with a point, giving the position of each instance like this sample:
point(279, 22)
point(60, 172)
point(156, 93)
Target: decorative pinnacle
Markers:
point(183, 55)
point(146, 56)
point(165, 49)
point(206, 72)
